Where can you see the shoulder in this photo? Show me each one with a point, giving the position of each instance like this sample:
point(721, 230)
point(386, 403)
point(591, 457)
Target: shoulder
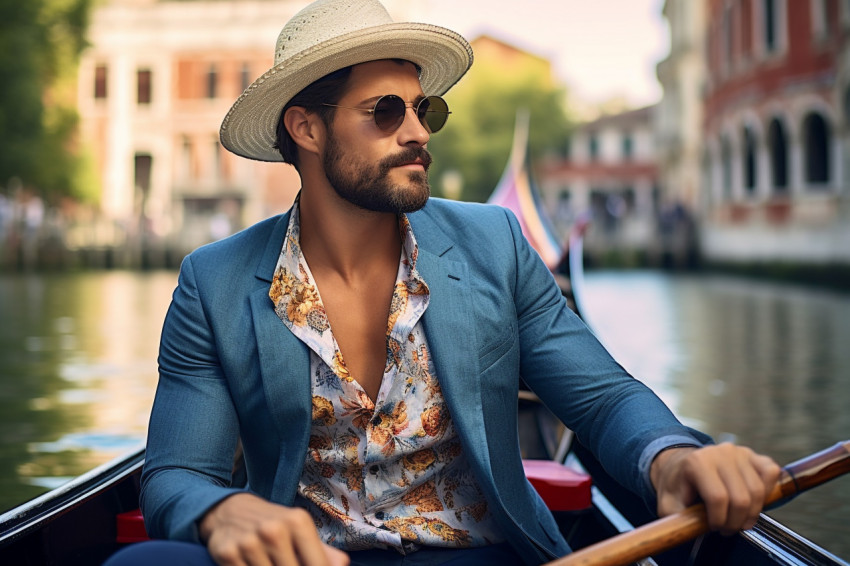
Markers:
point(242, 252)
point(465, 221)
point(470, 211)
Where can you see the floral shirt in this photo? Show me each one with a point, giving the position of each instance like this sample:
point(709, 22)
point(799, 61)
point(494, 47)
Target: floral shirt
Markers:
point(388, 473)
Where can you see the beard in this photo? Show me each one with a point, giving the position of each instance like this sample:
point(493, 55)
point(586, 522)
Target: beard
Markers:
point(368, 185)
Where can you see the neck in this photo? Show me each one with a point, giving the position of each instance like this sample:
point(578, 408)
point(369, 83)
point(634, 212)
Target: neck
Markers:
point(340, 238)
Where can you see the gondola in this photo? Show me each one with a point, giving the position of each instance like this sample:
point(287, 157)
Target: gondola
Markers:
point(91, 517)
point(86, 520)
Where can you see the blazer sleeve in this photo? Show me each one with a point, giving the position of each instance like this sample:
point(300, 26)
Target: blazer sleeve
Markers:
point(616, 416)
point(193, 426)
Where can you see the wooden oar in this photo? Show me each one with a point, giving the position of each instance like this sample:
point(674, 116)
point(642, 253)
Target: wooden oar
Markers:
point(670, 531)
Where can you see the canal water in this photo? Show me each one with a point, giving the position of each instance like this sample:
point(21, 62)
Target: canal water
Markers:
point(764, 364)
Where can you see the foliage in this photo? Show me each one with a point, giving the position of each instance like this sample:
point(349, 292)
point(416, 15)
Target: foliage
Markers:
point(477, 139)
point(40, 43)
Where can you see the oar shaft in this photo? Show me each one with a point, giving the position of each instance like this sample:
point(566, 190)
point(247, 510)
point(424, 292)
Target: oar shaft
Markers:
point(657, 536)
point(673, 530)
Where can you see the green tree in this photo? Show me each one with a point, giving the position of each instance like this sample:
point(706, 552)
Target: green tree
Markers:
point(40, 44)
point(476, 142)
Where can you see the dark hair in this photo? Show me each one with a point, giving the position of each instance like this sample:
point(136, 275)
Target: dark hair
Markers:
point(327, 90)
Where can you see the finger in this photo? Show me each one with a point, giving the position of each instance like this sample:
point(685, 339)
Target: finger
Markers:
point(228, 553)
point(255, 553)
point(748, 483)
point(278, 541)
point(712, 490)
point(285, 555)
point(763, 474)
point(308, 549)
point(745, 493)
point(336, 557)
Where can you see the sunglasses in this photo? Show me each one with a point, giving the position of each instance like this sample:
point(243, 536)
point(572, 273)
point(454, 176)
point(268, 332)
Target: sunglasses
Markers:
point(389, 112)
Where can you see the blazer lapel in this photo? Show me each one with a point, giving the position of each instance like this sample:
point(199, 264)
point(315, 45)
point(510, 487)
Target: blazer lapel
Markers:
point(451, 332)
point(285, 373)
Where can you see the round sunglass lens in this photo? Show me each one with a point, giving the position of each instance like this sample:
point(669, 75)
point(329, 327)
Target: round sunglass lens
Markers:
point(433, 112)
point(389, 112)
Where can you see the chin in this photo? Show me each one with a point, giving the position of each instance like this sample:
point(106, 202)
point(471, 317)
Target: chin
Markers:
point(410, 202)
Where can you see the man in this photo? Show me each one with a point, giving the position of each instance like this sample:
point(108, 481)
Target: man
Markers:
point(366, 346)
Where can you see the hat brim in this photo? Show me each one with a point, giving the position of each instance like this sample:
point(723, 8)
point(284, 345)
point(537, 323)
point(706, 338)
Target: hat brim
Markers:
point(249, 128)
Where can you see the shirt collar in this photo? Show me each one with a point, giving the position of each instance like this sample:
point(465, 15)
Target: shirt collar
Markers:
point(296, 297)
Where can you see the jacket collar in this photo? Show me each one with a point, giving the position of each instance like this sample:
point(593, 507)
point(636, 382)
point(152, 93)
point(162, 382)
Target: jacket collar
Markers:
point(429, 235)
point(268, 259)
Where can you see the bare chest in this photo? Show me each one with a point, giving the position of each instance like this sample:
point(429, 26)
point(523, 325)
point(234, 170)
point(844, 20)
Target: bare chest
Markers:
point(358, 319)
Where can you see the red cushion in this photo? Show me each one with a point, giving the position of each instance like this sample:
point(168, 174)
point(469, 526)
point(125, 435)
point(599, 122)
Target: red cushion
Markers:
point(131, 527)
point(562, 488)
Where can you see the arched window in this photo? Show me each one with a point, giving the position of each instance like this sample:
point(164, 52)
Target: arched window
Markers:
point(778, 146)
point(749, 155)
point(816, 148)
point(726, 167)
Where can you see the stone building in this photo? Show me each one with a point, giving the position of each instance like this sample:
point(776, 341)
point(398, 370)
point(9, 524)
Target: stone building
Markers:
point(610, 174)
point(154, 85)
point(774, 136)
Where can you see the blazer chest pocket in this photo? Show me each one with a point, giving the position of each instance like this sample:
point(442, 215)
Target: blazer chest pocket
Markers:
point(497, 343)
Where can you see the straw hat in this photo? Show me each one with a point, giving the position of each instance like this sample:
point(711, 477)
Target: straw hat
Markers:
point(324, 37)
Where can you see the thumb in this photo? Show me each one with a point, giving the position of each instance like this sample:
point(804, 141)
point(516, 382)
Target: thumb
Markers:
point(672, 499)
point(674, 493)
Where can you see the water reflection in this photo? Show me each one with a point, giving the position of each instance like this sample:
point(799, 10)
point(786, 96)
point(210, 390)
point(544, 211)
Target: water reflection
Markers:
point(77, 372)
point(765, 364)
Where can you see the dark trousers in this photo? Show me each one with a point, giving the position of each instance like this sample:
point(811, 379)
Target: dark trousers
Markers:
point(173, 553)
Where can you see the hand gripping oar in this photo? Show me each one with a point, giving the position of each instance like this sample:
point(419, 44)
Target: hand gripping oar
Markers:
point(675, 529)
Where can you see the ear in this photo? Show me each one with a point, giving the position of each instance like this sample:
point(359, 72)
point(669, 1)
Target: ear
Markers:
point(306, 128)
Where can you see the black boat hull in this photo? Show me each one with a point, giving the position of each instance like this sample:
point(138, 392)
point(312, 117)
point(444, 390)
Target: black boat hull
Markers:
point(77, 524)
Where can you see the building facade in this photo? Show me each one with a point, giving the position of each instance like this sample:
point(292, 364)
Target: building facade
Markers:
point(611, 175)
point(774, 166)
point(679, 113)
point(153, 87)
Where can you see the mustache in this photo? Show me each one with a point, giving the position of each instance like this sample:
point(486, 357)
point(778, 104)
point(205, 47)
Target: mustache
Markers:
point(406, 155)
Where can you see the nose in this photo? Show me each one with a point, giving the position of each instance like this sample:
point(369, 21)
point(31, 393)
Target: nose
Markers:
point(412, 130)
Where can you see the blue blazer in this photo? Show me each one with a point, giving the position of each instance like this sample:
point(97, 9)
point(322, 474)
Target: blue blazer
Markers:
point(230, 369)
